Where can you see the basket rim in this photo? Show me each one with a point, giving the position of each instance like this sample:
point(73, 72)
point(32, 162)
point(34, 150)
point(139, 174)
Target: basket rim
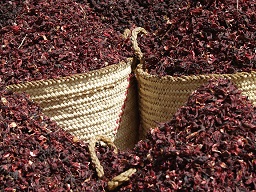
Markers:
point(141, 73)
point(103, 71)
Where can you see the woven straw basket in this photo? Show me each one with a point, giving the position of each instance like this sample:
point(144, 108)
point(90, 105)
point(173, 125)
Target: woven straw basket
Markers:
point(160, 97)
point(127, 134)
point(88, 104)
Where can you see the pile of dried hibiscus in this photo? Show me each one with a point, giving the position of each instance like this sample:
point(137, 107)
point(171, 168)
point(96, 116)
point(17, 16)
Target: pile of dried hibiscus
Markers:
point(203, 37)
point(209, 145)
point(37, 155)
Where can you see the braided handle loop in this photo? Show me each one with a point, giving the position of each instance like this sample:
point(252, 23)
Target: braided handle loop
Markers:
point(120, 179)
point(136, 47)
point(127, 33)
point(116, 181)
point(95, 160)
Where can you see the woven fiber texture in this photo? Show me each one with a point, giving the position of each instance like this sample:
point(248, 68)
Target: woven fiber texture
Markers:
point(127, 134)
point(84, 104)
point(160, 97)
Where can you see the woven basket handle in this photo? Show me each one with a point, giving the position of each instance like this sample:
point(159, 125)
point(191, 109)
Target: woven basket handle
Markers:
point(120, 179)
point(116, 181)
point(136, 47)
point(95, 160)
point(126, 34)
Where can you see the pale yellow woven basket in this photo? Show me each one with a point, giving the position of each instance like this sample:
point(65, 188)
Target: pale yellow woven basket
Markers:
point(88, 104)
point(128, 131)
point(160, 97)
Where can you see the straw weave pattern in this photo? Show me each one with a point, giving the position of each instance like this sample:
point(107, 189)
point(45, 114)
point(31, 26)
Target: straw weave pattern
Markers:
point(86, 104)
point(160, 97)
point(127, 134)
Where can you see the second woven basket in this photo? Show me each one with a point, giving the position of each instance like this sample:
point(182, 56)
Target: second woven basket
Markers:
point(89, 104)
point(160, 97)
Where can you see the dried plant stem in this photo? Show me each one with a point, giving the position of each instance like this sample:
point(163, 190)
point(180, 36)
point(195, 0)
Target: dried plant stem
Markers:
point(82, 10)
point(195, 133)
point(22, 41)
